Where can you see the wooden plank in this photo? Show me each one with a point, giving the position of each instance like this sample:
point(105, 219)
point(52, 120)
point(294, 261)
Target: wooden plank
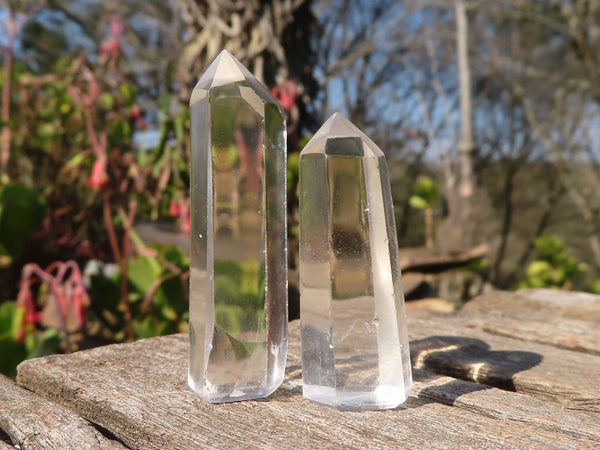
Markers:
point(545, 302)
point(564, 319)
point(422, 260)
point(579, 427)
point(430, 304)
point(443, 345)
point(31, 421)
point(576, 305)
point(138, 392)
point(5, 441)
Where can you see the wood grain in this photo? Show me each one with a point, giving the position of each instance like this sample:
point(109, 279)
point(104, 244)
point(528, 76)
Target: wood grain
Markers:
point(6, 446)
point(421, 260)
point(568, 320)
point(507, 406)
point(441, 344)
point(138, 392)
point(32, 422)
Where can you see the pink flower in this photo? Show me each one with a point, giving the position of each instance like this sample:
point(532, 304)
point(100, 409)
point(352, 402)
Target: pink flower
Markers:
point(174, 209)
point(66, 288)
point(109, 48)
point(184, 215)
point(186, 224)
point(139, 119)
point(116, 27)
point(286, 93)
point(30, 316)
point(80, 302)
point(99, 178)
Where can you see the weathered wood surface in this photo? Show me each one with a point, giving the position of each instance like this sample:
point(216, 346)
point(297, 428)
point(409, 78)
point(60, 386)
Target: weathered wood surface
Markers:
point(138, 392)
point(506, 406)
point(5, 445)
point(32, 422)
point(565, 377)
point(421, 260)
point(563, 319)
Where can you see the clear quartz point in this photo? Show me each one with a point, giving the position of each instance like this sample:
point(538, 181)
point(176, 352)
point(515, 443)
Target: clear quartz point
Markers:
point(355, 352)
point(238, 274)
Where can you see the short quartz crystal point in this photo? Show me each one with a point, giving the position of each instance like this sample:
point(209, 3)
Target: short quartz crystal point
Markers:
point(238, 274)
point(355, 352)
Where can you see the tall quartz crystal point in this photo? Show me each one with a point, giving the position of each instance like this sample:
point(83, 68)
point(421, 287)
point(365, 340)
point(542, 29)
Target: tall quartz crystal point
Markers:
point(238, 277)
point(355, 351)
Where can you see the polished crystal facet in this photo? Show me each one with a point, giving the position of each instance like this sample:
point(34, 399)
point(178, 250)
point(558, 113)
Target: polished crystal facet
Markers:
point(355, 351)
point(238, 275)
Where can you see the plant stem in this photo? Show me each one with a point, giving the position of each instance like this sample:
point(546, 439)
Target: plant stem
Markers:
point(112, 237)
point(6, 87)
point(124, 266)
point(429, 228)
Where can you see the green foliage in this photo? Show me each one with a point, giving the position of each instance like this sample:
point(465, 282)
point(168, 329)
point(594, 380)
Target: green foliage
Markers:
point(15, 348)
point(156, 291)
point(594, 287)
point(554, 268)
point(228, 318)
point(21, 213)
point(425, 193)
point(9, 320)
point(293, 173)
point(149, 326)
point(418, 202)
point(240, 288)
point(42, 345)
point(63, 124)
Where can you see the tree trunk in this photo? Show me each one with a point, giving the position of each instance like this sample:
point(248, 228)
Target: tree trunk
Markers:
point(506, 222)
point(429, 244)
point(466, 143)
point(5, 115)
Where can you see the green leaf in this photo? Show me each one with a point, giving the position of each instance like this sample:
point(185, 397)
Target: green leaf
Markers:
point(75, 160)
point(594, 287)
point(549, 246)
point(149, 327)
point(417, 202)
point(142, 272)
point(107, 101)
point(179, 128)
point(229, 269)
point(5, 258)
point(293, 163)
point(426, 189)
point(169, 313)
point(305, 140)
point(229, 318)
point(171, 296)
point(177, 256)
point(47, 130)
point(537, 268)
point(13, 353)
point(241, 349)
point(127, 92)
point(8, 312)
point(145, 328)
point(22, 212)
point(65, 108)
point(105, 293)
point(47, 344)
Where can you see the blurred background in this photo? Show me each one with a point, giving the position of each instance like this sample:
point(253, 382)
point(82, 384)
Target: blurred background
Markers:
point(488, 113)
